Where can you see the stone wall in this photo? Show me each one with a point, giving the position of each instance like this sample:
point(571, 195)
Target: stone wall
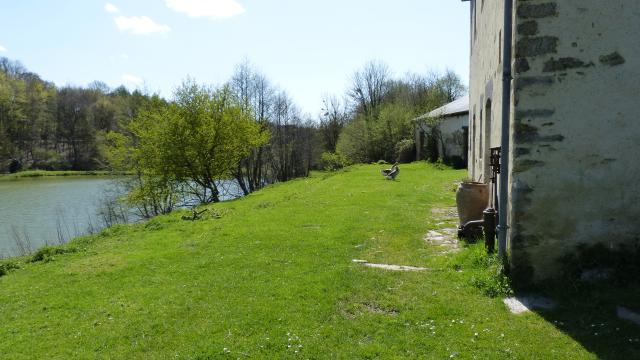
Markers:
point(575, 135)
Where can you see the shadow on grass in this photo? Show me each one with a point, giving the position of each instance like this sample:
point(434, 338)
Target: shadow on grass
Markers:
point(588, 313)
point(585, 311)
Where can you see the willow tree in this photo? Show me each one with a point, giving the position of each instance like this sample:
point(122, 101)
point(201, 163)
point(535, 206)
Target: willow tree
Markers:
point(197, 140)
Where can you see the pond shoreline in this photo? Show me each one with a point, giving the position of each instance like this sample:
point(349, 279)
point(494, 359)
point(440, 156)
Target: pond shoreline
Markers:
point(30, 174)
point(47, 210)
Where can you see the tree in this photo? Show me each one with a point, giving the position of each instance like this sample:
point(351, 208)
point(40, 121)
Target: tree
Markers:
point(290, 150)
point(352, 142)
point(334, 117)
point(255, 95)
point(197, 140)
point(380, 126)
point(75, 127)
point(451, 86)
point(369, 87)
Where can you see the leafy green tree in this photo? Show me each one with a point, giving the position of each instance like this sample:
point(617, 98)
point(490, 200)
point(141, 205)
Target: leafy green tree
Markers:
point(75, 126)
point(197, 140)
point(353, 142)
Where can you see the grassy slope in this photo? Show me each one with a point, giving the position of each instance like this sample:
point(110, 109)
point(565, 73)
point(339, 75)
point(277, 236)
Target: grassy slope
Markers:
point(271, 277)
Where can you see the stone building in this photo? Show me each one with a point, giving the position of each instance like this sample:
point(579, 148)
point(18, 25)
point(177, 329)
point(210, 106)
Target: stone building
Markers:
point(452, 124)
point(573, 126)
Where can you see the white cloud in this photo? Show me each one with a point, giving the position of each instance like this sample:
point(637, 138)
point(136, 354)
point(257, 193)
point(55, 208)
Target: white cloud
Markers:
point(3, 49)
point(206, 8)
point(129, 79)
point(140, 25)
point(110, 8)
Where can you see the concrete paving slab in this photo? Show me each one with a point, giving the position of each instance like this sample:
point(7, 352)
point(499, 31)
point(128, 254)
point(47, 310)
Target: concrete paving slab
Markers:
point(628, 314)
point(522, 304)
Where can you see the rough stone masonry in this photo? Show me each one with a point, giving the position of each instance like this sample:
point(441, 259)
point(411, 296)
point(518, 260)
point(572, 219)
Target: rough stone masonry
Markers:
point(574, 126)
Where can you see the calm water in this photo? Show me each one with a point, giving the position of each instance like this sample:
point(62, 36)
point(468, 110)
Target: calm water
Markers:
point(53, 210)
point(49, 210)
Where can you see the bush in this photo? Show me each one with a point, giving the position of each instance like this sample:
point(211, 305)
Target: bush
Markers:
point(352, 144)
point(14, 166)
point(333, 161)
point(6, 267)
point(49, 160)
point(48, 252)
point(440, 165)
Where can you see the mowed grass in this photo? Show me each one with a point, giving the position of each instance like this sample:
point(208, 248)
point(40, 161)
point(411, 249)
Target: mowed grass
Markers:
point(273, 278)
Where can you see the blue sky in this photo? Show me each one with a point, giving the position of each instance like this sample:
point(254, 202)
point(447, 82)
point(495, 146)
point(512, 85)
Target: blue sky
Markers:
point(307, 47)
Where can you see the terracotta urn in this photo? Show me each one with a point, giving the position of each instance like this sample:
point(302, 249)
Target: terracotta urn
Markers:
point(471, 199)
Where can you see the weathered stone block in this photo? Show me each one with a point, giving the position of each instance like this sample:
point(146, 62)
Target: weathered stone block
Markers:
point(525, 165)
point(537, 11)
point(612, 59)
point(564, 64)
point(522, 66)
point(524, 82)
point(534, 113)
point(528, 28)
point(535, 46)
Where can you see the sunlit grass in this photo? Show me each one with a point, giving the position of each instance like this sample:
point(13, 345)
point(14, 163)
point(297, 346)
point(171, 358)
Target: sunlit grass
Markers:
point(274, 278)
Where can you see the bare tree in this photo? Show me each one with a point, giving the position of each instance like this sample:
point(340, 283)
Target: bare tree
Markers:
point(451, 86)
point(334, 117)
point(255, 93)
point(369, 86)
point(284, 157)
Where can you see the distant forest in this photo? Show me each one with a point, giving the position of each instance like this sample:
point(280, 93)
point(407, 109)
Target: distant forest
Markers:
point(43, 126)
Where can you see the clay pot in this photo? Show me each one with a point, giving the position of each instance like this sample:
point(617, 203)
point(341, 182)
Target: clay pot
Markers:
point(471, 199)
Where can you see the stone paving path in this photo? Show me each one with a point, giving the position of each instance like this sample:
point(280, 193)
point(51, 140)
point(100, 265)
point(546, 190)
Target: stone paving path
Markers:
point(445, 237)
point(390, 267)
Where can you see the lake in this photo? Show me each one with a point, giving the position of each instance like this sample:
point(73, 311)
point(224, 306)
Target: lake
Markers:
point(49, 210)
point(53, 210)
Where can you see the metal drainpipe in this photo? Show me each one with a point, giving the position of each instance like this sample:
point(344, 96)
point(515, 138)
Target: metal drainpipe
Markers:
point(506, 115)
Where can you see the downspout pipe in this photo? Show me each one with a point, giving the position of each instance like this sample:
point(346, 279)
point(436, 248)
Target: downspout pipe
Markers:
point(506, 117)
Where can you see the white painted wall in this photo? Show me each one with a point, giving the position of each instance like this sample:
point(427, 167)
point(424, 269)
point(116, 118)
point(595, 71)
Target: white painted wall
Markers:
point(451, 128)
point(485, 85)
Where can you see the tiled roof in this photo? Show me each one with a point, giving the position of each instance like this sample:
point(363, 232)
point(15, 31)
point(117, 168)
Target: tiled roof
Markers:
point(459, 106)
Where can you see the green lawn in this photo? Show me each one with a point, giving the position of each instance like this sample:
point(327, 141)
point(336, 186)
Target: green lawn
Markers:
point(274, 278)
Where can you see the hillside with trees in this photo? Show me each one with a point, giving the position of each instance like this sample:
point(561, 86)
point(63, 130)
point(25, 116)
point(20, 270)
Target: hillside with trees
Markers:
point(246, 129)
point(381, 112)
point(58, 128)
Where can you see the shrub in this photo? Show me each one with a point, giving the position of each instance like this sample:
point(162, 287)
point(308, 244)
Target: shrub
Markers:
point(440, 164)
point(333, 161)
point(352, 142)
point(49, 160)
point(14, 166)
point(48, 252)
point(6, 267)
